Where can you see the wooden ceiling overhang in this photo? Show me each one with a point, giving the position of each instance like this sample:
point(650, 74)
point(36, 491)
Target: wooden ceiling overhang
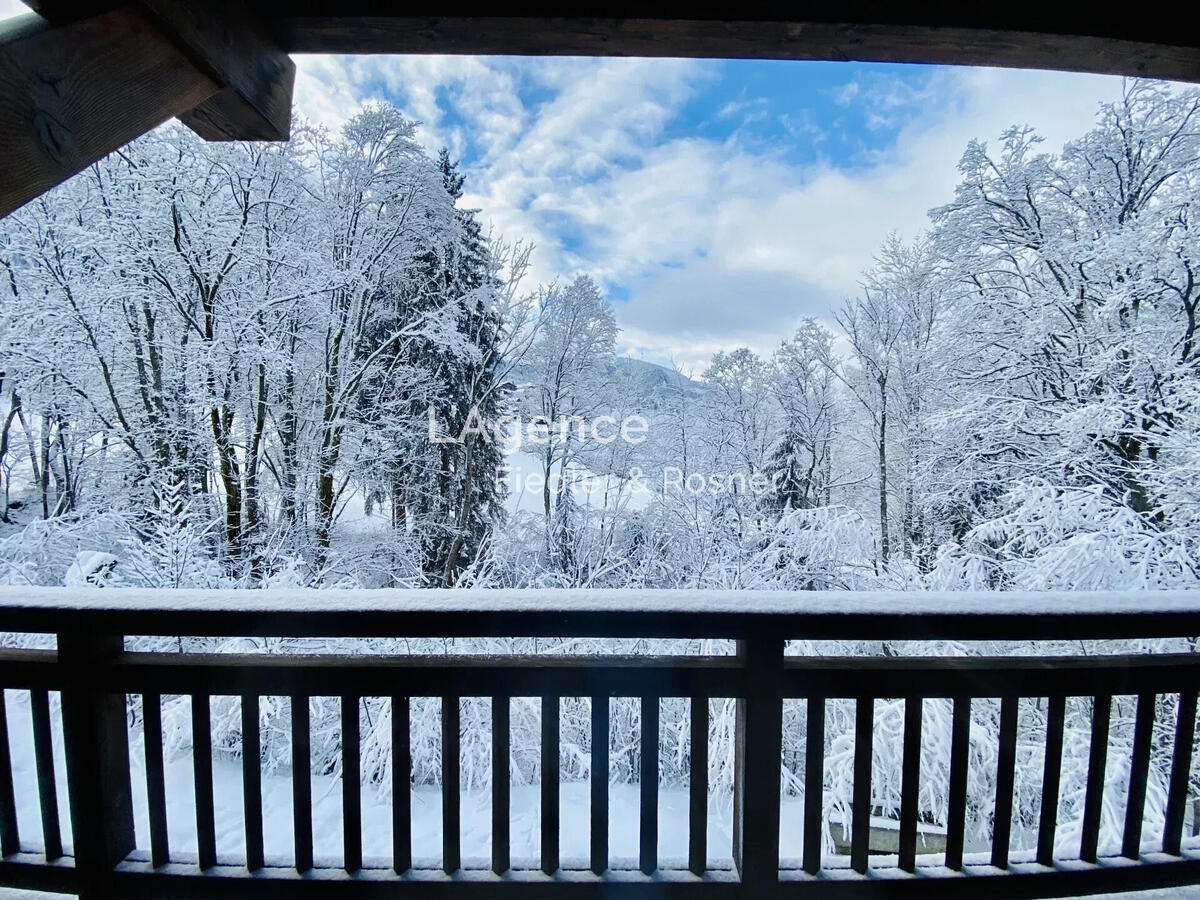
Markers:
point(80, 78)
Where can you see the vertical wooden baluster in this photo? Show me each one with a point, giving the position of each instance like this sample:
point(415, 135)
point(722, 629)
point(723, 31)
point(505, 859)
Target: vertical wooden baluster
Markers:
point(910, 783)
point(1093, 800)
point(96, 746)
point(156, 793)
point(302, 785)
point(758, 749)
point(501, 786)
point(1006, 769)
point(1139, 771)
point(648, 828)
point(43, 754)
point(860, 831)
point(401, 786)
point(451, 802)
point(1051, 779)
point(1181, 766)
point(10, 837)
point(956, 818)
point(814, 784)
point(252, 782)
point(206, 839)
point(351, 786)
point(698, 788)
point(550, 778)
point(599, 811)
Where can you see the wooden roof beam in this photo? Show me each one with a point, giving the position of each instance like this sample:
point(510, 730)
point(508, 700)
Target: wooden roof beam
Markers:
point(90, 77)
point(1020, 34)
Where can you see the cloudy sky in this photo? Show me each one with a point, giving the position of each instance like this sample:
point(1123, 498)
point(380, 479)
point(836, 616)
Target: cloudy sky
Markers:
point(716, 201)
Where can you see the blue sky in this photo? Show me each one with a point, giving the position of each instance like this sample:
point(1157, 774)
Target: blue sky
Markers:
point(802, 113)
point(717, 201)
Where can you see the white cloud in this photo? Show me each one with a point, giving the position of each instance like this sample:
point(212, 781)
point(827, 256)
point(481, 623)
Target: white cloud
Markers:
point(594, 118)
point(717, 243)
point(762, 243)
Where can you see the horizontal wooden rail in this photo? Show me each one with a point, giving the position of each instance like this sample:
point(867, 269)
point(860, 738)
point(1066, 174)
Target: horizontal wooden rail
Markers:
point(1043, 36)
point(614, 676)
point(100, 684)
point(731, 615)
point(463, 676)
point(981, 676)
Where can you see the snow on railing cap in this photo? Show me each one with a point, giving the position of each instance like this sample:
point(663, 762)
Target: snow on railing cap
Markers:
point(892, 615)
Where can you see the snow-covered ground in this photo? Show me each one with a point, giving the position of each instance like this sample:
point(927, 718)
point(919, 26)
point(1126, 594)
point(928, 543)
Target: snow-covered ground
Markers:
point(376, 815)
point(376, 812)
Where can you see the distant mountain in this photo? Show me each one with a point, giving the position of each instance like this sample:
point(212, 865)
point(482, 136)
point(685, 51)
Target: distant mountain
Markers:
point(653, 379)
point(645, 379)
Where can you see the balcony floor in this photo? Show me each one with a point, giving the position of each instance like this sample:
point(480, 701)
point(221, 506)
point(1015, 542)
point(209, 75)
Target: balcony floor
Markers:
point(1169, 894)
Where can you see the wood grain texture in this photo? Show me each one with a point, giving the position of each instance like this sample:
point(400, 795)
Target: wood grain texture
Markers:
point(69, 94)
point(96, 747)
point(1020, 34)
point(10, 837)
point(1021, 38)
point(229, 44)
point(956, 815)
point(156, 792)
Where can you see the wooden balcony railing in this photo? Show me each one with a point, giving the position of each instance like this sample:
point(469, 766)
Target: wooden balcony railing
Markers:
point(95, 676)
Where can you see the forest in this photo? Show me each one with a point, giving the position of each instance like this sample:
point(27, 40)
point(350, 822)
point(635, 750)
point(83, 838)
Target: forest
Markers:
point(221, 366)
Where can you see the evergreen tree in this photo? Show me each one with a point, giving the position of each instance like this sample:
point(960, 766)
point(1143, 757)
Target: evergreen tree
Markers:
point(477, 492)
point(446, 491)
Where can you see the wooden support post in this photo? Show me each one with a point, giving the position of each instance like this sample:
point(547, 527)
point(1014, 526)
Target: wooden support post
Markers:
point(233, 48)
point(88, 78)
point(71, 93)
point(96, 741)
point(757, 748)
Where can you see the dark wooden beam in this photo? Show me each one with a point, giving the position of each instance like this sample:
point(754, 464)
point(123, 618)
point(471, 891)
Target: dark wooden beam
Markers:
point(71, 93)
point(87, 77)
point(234, 49)
point(1020, 35)
point(229, 44)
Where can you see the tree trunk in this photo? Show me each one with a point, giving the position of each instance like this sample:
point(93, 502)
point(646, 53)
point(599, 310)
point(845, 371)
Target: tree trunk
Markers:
point(288, 439)
point(5, 431)
point(547, 470)
point(464, 515)
point(44, 457)
point(399, 509)
point(327, 460)
point(33, 457)
point(884, 545)
point(64, 482)
point(253, 517)
point(221, 422)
